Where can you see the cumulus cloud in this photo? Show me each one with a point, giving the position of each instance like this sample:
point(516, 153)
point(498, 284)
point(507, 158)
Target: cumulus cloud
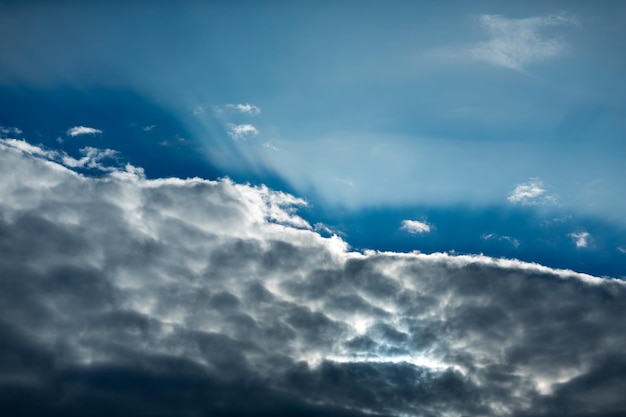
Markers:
point(517, 43)
point(415, 226)
point(241, 132)
point(246, 108)
point(531, 193)
point(123, 295)
point(83, 130)
point(581, 239)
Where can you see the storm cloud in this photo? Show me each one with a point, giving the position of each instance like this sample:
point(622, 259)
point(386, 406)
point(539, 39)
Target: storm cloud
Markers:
point(122, 295)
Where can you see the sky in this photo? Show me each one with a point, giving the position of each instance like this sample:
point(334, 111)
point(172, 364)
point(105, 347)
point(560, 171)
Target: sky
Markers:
point(327, 208)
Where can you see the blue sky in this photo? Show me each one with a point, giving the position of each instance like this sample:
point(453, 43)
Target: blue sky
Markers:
point(345, 208)
point(358, 107)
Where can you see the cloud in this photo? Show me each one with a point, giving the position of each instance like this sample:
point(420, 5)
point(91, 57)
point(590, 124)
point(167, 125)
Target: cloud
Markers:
point(123, 295)
point(83, 130)
point(241, 132)
point(148, 128)
point(530, 193)
point(8, 130)
point(511, 240)
point(518, 43)
point(622, 249)
point(246, 108)
point(581, 239)
point(414, 226)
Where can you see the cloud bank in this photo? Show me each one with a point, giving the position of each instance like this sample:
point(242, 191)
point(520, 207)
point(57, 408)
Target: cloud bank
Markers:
point(128, 296)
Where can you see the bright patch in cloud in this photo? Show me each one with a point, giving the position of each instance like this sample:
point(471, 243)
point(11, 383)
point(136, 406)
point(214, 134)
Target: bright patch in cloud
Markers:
point(246, 108)
point(241, 132)
point(517, 43)
point(415, 226)
point(581, 239)
point(83, 130)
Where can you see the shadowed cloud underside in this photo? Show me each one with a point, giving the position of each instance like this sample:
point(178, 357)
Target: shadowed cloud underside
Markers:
point(123, 295)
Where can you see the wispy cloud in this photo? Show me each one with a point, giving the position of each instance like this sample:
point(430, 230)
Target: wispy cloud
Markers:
point(8, 130)
point(83, 130)
point(416, 227)
point(148, 128)
point(241, 132)
point(246, 108)
point(517, 43)
point(495, 236)
point(581, 239)
point(530, 193)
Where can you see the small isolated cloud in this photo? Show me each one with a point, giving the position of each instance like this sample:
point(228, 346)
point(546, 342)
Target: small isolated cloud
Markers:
point(271, 147)
point(246, 108)
point(495, 236)
point(148, 128)
point(83, 130)
point(581, 239)
point(517, 43)
point(416, 227)
point(8, 130)
point(530, 193)
point(622, 249)
point(241, 132)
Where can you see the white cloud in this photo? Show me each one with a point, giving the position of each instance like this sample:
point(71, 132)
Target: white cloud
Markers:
point(148, 128)
point(517, 43)
point(206, 289)
point(415, 226)
point(581, 239)
point(83, 130)
point(622, 249)
point(531, 193)
point(8, 130)
point(241, 132)
point(246, 108)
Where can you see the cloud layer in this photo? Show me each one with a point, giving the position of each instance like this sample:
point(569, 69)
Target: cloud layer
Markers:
point(123, 295)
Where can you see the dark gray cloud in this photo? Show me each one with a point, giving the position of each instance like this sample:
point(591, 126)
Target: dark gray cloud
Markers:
point(127, 296)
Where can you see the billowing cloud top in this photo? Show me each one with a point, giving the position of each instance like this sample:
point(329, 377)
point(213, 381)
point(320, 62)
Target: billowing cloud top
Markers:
point(82, 130)
point(125, 296)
